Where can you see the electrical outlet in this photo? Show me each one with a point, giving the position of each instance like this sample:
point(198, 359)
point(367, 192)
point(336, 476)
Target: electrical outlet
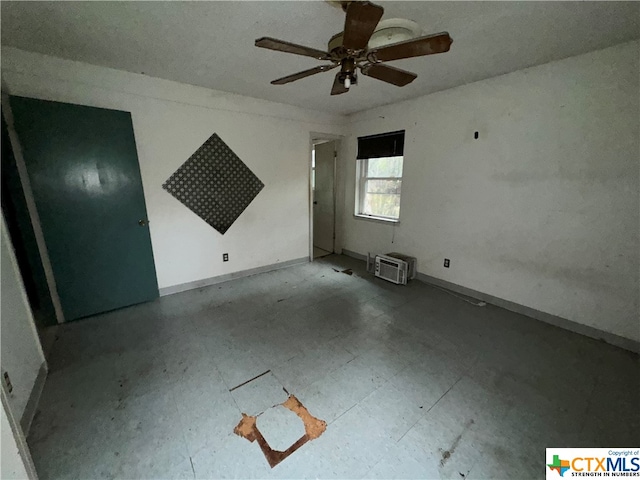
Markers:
point(225, 257)
point(446, 263)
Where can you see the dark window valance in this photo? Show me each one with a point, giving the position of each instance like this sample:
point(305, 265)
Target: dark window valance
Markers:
point(381, 145)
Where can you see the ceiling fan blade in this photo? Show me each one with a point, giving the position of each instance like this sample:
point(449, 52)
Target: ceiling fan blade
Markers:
point(338, 86)
point(282, 46)
point(429, 45)
point(362, 19)
point(303, 74)
point(389, 74)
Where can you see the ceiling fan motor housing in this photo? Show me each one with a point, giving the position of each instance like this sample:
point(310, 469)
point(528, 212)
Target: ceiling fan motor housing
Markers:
point(348, 70)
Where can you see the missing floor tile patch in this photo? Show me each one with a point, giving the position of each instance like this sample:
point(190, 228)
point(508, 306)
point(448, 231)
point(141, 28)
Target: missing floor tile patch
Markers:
point(280, 426)
point(313, 427)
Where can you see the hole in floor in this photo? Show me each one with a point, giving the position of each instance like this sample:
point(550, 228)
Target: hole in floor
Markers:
point(281, 434)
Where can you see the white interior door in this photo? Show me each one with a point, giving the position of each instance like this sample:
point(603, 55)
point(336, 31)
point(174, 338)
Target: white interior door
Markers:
point(323, 198)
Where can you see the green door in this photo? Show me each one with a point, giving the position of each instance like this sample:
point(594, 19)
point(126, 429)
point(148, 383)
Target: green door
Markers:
point(84, 173)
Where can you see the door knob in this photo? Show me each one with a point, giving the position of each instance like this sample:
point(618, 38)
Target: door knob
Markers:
point(142, 223)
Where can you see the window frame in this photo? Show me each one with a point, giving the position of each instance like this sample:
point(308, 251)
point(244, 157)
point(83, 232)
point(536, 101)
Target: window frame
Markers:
point(362, 167)
point(313, 168)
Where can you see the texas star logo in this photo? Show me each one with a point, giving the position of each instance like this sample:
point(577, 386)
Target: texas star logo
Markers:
point(560, 466)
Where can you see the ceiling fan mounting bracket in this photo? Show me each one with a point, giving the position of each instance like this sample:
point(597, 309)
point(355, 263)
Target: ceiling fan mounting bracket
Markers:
point(341, 4)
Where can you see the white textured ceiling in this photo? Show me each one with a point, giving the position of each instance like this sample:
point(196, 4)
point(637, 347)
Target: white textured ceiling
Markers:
point(210, 44)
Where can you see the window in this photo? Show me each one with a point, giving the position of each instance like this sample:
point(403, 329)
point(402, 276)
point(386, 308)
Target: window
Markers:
point(379, 176)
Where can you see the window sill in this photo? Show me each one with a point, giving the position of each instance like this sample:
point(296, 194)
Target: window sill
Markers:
point(371, 218)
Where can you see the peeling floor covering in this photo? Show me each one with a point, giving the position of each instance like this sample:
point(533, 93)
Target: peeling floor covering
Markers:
point(412, 382)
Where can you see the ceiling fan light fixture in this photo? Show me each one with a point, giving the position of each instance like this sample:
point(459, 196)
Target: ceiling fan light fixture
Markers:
point(347, 82)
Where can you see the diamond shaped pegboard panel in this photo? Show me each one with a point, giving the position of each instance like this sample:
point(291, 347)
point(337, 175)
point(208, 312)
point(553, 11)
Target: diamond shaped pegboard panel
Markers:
point(214, 184)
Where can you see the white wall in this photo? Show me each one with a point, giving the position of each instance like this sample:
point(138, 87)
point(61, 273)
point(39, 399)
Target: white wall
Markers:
point(11, 465)
point(171, 120)
point(15, 459)
point(21, 355)
point(542, 210)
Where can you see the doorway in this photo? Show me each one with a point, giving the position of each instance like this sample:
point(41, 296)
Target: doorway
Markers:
point(323, 173)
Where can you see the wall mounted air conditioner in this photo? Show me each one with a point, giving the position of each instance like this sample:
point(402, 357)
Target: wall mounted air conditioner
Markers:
point(391, 269)
point(412, 263)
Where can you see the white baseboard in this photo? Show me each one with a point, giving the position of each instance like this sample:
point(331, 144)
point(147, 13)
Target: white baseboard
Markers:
point(355, 255)
point(183, 287)
point(564, 323)
point(34, 398)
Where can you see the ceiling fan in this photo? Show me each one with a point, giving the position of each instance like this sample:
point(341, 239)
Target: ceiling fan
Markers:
point(349, 51)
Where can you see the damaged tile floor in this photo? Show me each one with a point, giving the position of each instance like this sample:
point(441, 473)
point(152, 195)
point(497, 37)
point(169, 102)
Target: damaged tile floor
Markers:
point(413, 382)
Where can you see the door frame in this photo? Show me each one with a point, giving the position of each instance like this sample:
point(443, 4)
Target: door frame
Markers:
point(31, 206)
point(314, 139)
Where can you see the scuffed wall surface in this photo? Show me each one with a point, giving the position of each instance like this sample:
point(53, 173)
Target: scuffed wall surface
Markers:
point(543, 208)
point(170, 121)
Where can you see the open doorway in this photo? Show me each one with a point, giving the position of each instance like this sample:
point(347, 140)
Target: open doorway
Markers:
point(323, 173)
